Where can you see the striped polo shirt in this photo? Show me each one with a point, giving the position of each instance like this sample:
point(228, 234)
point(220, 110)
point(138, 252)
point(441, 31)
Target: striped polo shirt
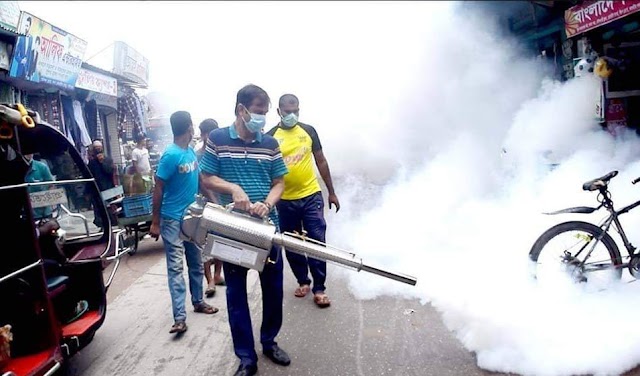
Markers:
point(251, 165)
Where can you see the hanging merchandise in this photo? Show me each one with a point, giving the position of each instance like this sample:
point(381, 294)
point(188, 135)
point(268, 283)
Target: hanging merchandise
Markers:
point(91, 115)
point(79, 117)
point(74, 133)
point(99, 129)
point(128, 114)
point(139, 113)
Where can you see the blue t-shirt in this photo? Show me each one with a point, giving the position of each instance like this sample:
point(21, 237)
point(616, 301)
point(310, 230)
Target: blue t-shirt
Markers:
point(178, 169)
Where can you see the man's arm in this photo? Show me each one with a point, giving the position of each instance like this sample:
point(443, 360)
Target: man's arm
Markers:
point(219, 185)
point(157, 203)
point(323, 168)
point(209, 179)
point(277, 188)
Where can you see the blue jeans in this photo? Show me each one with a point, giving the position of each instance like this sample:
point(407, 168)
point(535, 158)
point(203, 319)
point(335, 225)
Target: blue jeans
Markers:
point(175, 249)
point(307, 212)
point(238, 307)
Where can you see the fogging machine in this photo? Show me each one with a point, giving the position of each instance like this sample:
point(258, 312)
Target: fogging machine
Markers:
point(244, 240)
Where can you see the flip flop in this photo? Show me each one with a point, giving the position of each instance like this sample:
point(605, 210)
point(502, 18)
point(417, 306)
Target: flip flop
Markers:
point(210, 292)
point(302, 291)
point(221, 283)
point(322, 300)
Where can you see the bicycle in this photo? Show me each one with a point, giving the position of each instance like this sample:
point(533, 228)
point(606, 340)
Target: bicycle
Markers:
point(584, 269)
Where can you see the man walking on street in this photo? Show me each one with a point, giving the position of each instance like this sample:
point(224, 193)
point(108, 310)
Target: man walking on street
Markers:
point(302, 205)
point(245, 167)
point(176, 187)
point(206, 127)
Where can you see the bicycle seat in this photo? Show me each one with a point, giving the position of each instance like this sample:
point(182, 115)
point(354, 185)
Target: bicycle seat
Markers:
point(595, 184)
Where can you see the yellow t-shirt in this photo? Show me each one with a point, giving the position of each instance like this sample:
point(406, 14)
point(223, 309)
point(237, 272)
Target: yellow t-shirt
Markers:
point(297, 145)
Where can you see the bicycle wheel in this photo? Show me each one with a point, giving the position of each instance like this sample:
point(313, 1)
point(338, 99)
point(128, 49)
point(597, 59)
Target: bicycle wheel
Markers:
point(571, 250)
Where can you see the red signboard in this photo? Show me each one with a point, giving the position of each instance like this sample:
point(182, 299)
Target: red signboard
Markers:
point(591, 14)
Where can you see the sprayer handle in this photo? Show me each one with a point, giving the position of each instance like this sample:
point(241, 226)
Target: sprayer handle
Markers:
point(230, 208)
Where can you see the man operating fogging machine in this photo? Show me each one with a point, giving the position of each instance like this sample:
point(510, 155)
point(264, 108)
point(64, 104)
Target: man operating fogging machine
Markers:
point(245, 166)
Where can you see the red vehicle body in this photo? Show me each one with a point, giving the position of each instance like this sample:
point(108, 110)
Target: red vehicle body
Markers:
point(52, 291)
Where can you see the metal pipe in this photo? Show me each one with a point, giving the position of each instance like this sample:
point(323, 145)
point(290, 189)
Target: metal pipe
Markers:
point(316, 251)
point(327, 253)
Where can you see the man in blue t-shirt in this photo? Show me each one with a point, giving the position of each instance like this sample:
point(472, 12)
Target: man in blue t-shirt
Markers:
point(39, 172)
point(245, 167)
point(176, 187)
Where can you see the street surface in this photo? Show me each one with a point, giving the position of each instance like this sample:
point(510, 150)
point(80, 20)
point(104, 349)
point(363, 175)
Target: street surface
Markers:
point(385, 336)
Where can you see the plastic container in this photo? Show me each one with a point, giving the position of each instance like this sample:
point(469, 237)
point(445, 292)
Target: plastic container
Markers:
point(135, 206)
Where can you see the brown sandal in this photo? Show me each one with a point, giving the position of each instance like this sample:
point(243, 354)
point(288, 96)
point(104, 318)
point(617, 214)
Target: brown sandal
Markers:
point(302, 291)
point(205, 308)
point(178, 327)
point(322, 300)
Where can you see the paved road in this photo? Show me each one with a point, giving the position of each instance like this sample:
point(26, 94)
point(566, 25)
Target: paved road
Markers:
point(381, 337)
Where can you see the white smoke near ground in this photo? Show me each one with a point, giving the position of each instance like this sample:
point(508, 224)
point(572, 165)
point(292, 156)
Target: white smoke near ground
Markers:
point(460, 216)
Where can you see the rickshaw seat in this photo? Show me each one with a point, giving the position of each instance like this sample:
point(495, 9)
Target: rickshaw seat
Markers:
point(56, 281)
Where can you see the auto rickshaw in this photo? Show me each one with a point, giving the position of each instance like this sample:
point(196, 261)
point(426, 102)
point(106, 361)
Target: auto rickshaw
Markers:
point(52, 289)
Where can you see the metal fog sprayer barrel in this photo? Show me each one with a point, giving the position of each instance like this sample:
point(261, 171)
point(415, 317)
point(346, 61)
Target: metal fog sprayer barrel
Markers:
point(247, 241)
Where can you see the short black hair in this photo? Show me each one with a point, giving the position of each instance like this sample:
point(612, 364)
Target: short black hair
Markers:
point(248, 94)
point(288, 98)
point(208, 125)
point(180, 122)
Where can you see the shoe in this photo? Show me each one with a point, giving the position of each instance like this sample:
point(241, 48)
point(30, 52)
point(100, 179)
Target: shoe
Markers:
point(245, 370)
point(179, 327)
point(278, 356)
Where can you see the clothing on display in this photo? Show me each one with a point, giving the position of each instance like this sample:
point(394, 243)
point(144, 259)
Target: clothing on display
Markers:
point(79, 117)
point(130, 113)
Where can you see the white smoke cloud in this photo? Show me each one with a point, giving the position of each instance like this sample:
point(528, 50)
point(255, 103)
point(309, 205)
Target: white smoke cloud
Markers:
point(462, 218)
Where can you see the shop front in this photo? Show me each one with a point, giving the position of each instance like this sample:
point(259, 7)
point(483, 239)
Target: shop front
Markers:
point(605, 36)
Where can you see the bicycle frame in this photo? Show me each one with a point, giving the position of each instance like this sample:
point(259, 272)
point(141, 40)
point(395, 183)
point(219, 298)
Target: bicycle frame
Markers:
point(613, 218)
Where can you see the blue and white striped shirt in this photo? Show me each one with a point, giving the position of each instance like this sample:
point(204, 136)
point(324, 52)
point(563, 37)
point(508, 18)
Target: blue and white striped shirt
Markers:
point(251, 165)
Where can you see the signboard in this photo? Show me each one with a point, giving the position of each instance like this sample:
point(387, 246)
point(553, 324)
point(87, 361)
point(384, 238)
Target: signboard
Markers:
point(592, 14)
point(130, 63)
point(98, 82)
point(47, 54)
point(9, 15)
point(50, 197)
point(103, 99)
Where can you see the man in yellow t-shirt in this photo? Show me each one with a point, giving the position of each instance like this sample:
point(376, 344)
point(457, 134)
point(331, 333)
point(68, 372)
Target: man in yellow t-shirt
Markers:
point(302, 204)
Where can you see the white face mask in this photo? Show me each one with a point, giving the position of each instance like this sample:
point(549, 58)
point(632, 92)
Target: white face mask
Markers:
point(290, 120)
point(256, 123)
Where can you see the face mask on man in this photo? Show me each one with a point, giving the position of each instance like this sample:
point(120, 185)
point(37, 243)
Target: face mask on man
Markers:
point(290, 120)
point(256, 123)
